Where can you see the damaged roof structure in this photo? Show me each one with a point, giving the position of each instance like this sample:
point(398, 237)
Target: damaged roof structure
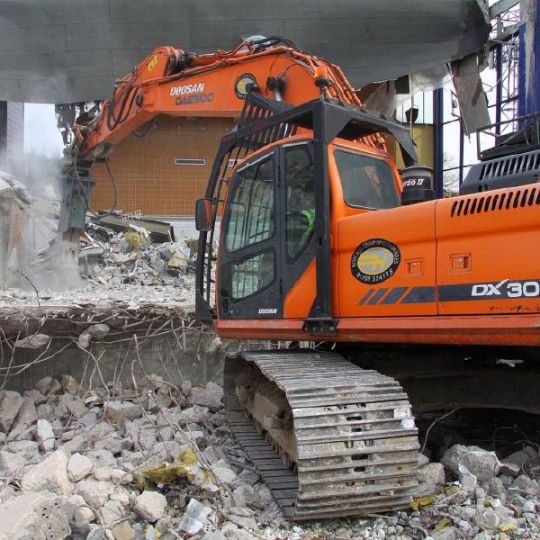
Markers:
point(58, 51)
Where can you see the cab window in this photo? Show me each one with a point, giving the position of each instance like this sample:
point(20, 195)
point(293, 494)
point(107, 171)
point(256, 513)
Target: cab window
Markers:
point(252, 206)
point(367, 182)
point(300, 214)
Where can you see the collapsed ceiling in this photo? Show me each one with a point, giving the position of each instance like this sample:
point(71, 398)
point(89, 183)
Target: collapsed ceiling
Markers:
point(63, 51)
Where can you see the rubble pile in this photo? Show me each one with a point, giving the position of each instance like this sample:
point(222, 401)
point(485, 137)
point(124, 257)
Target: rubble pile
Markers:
point(126, 267)
point(114, 259)
point(160, 462)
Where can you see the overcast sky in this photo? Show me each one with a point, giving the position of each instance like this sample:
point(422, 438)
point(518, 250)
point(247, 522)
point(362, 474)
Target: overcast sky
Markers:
point(41, 136)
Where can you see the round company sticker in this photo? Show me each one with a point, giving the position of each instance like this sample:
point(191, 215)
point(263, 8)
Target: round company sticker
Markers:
point(241, 86)
point(375, 260)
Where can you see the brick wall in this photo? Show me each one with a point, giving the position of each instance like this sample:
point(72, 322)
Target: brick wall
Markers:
point(145, 171)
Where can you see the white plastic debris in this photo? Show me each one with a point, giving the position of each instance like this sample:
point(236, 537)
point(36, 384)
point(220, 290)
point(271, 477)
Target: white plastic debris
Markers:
point(194, 517)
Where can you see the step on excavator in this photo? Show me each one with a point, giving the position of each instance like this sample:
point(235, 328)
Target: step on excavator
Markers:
point(323, 242)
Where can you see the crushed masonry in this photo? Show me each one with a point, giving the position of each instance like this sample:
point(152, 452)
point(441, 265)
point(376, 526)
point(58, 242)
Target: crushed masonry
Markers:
point(175, 471)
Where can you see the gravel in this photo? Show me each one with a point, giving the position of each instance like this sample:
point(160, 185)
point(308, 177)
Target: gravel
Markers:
point(163, 464)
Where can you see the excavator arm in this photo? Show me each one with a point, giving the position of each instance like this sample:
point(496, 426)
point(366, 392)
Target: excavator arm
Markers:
point(172, 82)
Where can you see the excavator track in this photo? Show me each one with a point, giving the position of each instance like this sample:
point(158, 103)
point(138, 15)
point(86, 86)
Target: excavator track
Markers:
point(329, 439)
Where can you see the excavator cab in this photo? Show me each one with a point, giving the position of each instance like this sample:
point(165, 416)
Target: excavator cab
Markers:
point(274, 248)
point(268, 228)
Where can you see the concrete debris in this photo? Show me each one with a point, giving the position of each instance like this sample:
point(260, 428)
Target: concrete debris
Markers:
point(150, 505)
point(45, 435)
point(209, 396)
point(11, 463)
point(51, 474)
point(96, 331)
point(37, 341)
point(79, 467)
point(135, 273)
point(128, 254)
point(432, 473)
point(123, 531)
point(10, 403)
point(119, 411)
point(480, 463)
point(125, 466)
point(70, 384)
point(33, 516)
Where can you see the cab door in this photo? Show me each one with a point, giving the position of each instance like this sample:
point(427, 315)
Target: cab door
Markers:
point(249, 271)
point(267, 239)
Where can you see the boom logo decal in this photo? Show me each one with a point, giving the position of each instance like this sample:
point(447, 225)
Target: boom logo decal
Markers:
point(375, 260)
point(195, 88)
point(191, 93)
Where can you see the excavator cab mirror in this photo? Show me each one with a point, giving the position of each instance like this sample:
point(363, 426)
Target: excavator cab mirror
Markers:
point(203, 214)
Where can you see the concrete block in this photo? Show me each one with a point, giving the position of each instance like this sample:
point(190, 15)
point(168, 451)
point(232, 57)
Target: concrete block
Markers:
point(10, 403)
point(33, 515)
point(150, 505)
point(50, 474)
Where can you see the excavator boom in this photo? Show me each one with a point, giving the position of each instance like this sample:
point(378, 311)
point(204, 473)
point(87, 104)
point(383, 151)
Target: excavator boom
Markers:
point(172, 82)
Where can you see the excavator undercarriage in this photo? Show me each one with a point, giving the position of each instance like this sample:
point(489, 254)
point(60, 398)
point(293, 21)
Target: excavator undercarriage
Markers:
point(330, 439)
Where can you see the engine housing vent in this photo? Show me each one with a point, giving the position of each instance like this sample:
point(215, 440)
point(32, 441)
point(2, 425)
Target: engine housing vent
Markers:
point(508, 171)
point(495, 202)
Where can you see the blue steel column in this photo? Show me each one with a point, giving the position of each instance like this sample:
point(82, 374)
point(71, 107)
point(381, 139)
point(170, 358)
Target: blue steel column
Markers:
point(438, 157)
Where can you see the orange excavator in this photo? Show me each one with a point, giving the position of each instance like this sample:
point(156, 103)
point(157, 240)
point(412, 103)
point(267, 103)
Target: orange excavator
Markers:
point(323, 242)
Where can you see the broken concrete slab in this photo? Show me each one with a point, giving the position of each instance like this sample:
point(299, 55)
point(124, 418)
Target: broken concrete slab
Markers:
point(44, 385)
point(120, 411)
point(26, 449)
point(70, 384)
point(479, 462)
point(11, 464)
point(432, 473)
point(74, 405)
point(37, 341)
point(223, 473)
point(123, 531)
point(50, 474)
point(33, 516)
point(45, 435)
point(94, 332)
point(94, 492)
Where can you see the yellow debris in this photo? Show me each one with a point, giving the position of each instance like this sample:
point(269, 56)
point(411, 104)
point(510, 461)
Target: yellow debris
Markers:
point(422, 501)
point(136, 239)
point(445, 522)
point(452, 490)
point(150, 532)
point(507, 527)
point(162, 474)
point(176, 262)
point(188, 457)
point(187, 467)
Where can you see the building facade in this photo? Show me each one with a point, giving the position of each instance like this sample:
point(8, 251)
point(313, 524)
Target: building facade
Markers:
point(164, 172)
